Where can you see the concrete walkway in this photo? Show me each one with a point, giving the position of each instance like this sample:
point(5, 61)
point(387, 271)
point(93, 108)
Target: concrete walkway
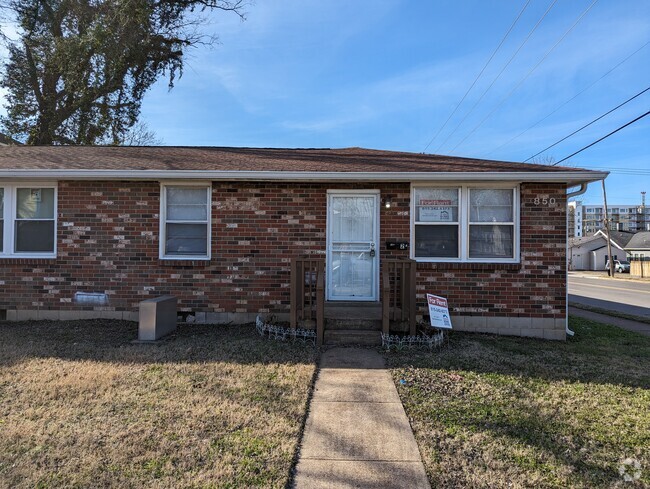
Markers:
point(630, 325)
point(357, 434)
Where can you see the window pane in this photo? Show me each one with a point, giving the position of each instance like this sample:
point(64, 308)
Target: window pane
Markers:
point(487, 241)
point(436, 204)
point(436, 241)
point(2, 202)
point(37, 236)
point(187, 203)
point(352, 218)
point(491, 205)
point(2, 235)
point(35, 203)
point(186, 239)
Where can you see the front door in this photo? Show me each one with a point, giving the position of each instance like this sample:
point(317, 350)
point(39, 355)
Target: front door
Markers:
point(352, 245)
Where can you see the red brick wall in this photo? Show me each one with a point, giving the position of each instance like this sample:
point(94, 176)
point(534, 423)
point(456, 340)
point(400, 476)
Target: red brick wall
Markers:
point(534, 288)
point(108, 242)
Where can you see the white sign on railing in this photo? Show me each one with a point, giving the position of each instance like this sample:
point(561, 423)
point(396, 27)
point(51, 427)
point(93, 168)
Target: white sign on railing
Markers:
point(438, 312)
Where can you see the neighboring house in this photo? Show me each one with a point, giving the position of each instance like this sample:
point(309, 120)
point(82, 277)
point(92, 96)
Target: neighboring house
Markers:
point(590, 252)
point(638, 249)
point(92, 231)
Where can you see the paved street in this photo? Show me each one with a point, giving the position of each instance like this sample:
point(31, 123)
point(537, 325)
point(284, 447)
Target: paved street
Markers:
point(626, 296)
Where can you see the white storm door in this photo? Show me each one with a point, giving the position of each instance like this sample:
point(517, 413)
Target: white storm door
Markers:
point(352, 246)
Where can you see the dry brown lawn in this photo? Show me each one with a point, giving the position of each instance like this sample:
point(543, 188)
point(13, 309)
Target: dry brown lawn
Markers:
point(213, 406)
point(496, 412)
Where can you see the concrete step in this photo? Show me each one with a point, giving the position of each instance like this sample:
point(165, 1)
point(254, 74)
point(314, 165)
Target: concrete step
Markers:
point(352, 337)
point(353, 324)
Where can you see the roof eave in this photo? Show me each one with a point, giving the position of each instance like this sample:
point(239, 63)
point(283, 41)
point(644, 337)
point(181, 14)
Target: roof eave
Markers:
point(572, 178)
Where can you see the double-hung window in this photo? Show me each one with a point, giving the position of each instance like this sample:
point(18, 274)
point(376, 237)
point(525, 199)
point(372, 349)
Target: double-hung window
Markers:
point(185, 222)
point(28, 220)
point(465, 224)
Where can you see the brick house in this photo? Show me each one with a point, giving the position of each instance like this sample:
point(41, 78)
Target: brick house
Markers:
point(91, 231)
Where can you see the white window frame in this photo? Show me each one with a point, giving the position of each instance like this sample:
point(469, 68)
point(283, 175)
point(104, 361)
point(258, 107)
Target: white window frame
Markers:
point(163, 221)
point(463, 217)
point(9, 220)
point(458, 223)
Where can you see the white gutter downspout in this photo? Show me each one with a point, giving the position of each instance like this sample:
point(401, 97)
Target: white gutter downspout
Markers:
point(582, 190)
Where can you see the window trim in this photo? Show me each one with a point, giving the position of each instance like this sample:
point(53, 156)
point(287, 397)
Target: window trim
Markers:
point(464, 222)
point(9, 220)
point(162, 233)
point(458, 223)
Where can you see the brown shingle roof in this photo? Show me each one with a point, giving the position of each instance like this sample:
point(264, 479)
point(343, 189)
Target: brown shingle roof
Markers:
point(248, 159)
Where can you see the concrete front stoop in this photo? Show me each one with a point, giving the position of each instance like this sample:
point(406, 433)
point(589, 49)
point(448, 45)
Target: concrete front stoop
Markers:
point(357, 434)
point(348, 324)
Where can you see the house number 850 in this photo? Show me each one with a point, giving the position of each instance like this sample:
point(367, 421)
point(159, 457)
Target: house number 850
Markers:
point(538, 201)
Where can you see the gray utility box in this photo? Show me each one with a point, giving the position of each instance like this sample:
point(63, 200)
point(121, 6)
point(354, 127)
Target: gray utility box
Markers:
point(157, 318)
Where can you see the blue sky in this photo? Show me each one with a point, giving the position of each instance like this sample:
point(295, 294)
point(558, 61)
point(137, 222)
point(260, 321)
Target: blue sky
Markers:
point(386, 74)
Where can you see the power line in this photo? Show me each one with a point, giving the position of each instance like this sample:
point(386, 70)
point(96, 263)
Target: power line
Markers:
point(565, 103)
point(587, 125)
point(527, 75)
point(498, 76)
point(599, 140)
point(478, 76)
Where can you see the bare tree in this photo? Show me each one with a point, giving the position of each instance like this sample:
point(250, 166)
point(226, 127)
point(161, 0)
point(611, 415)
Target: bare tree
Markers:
point(140, 135)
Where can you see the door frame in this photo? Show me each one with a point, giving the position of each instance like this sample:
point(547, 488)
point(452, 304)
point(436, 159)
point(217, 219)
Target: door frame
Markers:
point(328, 250)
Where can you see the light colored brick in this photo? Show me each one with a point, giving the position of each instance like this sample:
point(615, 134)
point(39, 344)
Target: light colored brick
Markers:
point(553, 334)
point(532, 333)
point(475, 323)
point(49, 315)
point(519, 322)
point(26, 314)
point(543, 323)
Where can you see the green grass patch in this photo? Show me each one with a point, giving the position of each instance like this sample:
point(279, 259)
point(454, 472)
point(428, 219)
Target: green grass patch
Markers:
point(494, 411)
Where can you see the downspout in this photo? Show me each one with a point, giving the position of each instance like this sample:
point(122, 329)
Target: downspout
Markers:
point(582, 190)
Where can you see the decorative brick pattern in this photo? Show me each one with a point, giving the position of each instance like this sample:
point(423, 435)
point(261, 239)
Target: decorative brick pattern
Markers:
point(108, 242)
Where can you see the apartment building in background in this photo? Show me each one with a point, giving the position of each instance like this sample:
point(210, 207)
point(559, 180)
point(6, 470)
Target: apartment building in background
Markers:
point(586, 220)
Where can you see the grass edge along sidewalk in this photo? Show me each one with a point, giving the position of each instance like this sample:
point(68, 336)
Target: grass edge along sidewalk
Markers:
point(510, 412)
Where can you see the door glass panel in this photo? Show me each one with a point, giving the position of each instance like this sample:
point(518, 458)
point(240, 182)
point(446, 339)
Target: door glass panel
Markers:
point(353, 261)
point(351, 218)
point(352, 274)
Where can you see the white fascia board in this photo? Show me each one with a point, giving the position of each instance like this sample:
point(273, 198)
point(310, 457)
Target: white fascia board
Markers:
point(569, 177)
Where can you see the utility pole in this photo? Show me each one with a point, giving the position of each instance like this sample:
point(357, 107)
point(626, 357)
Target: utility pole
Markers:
point(612, 272)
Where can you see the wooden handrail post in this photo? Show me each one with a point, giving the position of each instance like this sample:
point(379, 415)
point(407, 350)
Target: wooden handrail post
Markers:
point(320, 302)
point(412, 295)
point(385, 298)
point(293, 293)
